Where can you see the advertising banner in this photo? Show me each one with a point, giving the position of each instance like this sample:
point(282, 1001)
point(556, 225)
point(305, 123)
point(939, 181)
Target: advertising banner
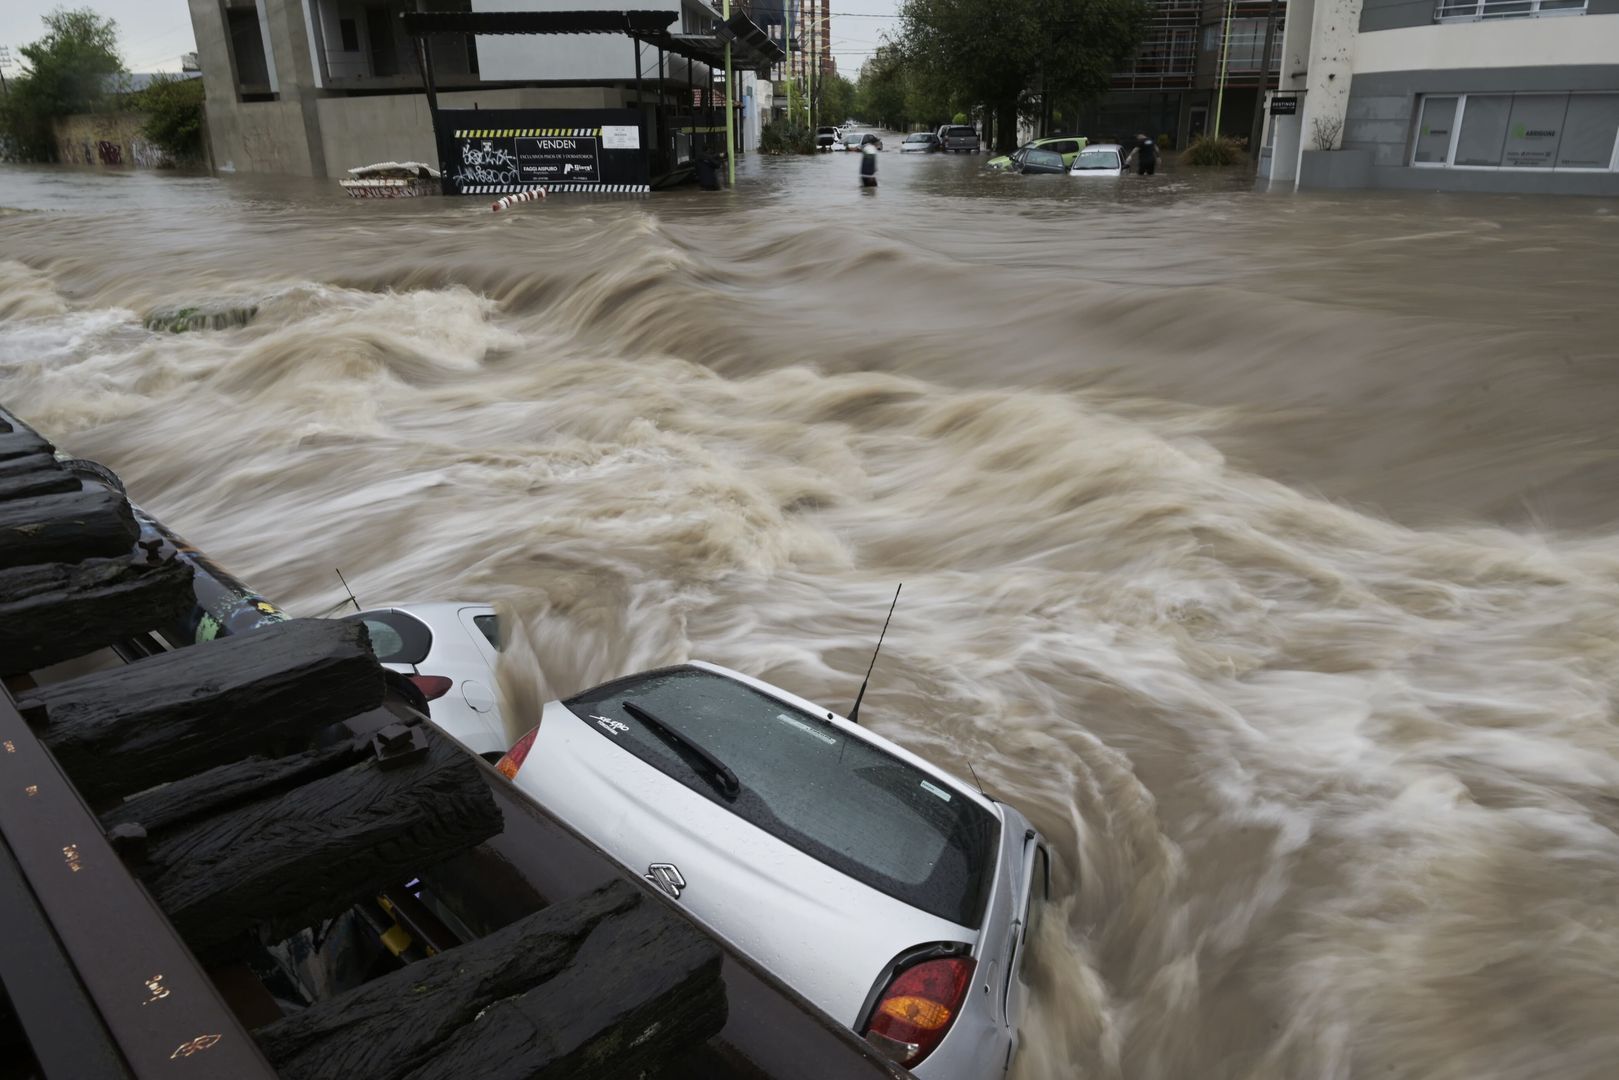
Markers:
point(502, 151)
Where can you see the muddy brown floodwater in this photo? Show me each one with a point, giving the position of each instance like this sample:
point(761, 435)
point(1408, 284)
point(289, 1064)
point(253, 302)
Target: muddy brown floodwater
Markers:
point(1262, 549)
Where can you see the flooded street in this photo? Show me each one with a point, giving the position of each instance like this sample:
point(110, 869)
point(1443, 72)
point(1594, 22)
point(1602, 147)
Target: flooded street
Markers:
point(1261, 549)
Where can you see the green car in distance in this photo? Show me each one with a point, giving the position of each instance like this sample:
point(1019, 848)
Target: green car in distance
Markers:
point(1068, 146)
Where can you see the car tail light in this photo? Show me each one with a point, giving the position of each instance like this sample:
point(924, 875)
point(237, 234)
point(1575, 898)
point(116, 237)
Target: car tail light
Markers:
point(915, 1012)
point(513, 758)
point(432, 686)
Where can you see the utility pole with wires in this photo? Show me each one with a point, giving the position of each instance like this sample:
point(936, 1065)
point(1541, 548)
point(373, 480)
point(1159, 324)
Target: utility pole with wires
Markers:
point(1225, 54)
point(1258, 128)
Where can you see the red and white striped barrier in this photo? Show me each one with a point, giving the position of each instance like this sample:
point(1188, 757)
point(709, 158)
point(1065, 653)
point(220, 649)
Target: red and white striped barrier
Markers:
point(522, 196)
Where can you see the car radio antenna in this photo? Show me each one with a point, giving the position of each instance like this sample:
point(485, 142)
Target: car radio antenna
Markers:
point(854, 713)
point(350, 591)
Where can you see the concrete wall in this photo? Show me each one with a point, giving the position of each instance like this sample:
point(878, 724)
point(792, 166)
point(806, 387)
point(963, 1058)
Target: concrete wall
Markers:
point(1399, 14)
point(113, 140)
point(1498, 43)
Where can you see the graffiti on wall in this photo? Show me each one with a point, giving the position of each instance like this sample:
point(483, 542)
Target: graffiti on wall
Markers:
point(146, 155)
point(110, 152)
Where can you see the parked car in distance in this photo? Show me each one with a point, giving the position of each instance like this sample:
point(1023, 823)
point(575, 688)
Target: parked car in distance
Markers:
point(448, 651)
point(1036, 160)
point(826, 138)
point(888, 892)
point(1103, 159)
point(920, 142)
point(856, 140)
point(1068, 146)
point(958, 138)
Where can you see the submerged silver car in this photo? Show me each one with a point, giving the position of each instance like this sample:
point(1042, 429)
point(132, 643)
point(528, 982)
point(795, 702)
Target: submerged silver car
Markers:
point(892, 895)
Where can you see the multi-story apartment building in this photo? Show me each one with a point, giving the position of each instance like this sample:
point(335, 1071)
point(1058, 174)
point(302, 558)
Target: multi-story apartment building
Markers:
point(1172, 88)
point(1460, 95)
point(314, 87)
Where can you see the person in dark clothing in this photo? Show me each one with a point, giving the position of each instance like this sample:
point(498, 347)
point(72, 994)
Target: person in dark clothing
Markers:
point(868, 164)
point(1146, 155)
point(707, 167)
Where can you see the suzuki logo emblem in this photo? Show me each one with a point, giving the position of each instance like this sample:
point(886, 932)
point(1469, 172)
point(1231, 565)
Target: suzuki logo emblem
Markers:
point(666, 876)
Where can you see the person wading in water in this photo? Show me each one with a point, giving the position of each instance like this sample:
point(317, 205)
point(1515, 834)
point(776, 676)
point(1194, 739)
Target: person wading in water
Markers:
point(868, 162)
point(1145, 155)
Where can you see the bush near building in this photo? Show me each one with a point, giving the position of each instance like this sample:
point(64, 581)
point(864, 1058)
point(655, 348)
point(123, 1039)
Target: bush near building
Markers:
point(786, 138)
point(1213, 150)
point(173, 108)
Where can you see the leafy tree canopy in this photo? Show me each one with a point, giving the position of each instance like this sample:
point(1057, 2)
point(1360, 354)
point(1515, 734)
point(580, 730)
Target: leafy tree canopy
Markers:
point(67, 71)
point(1005, 54)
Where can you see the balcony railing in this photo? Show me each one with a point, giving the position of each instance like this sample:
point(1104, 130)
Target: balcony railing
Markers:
point(1477, 10)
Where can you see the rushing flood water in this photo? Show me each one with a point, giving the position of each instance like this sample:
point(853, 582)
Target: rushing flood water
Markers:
point(1262, 549)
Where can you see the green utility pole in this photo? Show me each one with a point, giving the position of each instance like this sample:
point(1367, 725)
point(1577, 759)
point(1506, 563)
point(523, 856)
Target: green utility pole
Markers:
point(788, 42)
point(1225, 52)
point(809, 70)
point(730, 111)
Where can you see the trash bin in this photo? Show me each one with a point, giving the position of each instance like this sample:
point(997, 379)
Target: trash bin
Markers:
point(708, 172)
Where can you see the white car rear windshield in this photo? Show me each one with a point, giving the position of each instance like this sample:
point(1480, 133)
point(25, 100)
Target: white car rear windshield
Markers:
point(831, 795)
point(1097, 159)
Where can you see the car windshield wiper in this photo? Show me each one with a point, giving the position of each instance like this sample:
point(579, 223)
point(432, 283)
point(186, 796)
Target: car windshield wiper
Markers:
point(726, 780)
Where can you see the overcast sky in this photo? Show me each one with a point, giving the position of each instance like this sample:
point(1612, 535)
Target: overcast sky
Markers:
point(153, 33)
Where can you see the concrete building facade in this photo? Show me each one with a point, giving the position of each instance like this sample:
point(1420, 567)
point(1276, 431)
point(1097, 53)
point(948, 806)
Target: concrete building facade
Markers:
point(1455, 95)
point(315, 87)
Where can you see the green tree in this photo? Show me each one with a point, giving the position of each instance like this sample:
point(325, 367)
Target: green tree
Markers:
point(173, 108)
point(67, 71)
point(1007, 55)
point(881, 96)
point(837, 99)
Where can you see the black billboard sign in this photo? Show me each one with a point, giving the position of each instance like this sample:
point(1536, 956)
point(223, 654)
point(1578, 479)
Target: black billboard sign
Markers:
point(550, 159)
point(501, 151)
point(1284, 106)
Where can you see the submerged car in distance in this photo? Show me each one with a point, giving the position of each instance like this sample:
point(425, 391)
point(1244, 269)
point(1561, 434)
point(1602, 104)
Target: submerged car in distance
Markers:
point(894, 896)
point(920, 142)
point(958, 138)
point(1036, 160)
point(1103, 159)
point(1068, 146)
point(826, 138)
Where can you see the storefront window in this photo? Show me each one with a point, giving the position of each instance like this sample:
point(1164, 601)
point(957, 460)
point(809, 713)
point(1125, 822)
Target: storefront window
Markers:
point(1518, 131)
point(1534, 130)
point(1434, 130)
point(1484, 129)
point(1590, 132)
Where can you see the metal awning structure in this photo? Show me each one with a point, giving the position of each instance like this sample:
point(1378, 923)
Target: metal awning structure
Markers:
point(751, 48)
point(738, 42)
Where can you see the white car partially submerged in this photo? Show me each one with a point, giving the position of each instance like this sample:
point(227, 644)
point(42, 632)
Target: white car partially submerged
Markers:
point(893, 895)
point(1099, 159)
point(888, 892)
point(448, 651)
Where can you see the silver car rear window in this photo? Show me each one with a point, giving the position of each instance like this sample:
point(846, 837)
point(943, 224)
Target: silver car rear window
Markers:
point(835, 797)
point(396, 638)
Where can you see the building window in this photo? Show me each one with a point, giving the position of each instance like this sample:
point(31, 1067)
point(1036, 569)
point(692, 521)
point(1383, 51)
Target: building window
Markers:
point(1474, 10)
point(349, 30)
point(1557, 132)
point(248, 52)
